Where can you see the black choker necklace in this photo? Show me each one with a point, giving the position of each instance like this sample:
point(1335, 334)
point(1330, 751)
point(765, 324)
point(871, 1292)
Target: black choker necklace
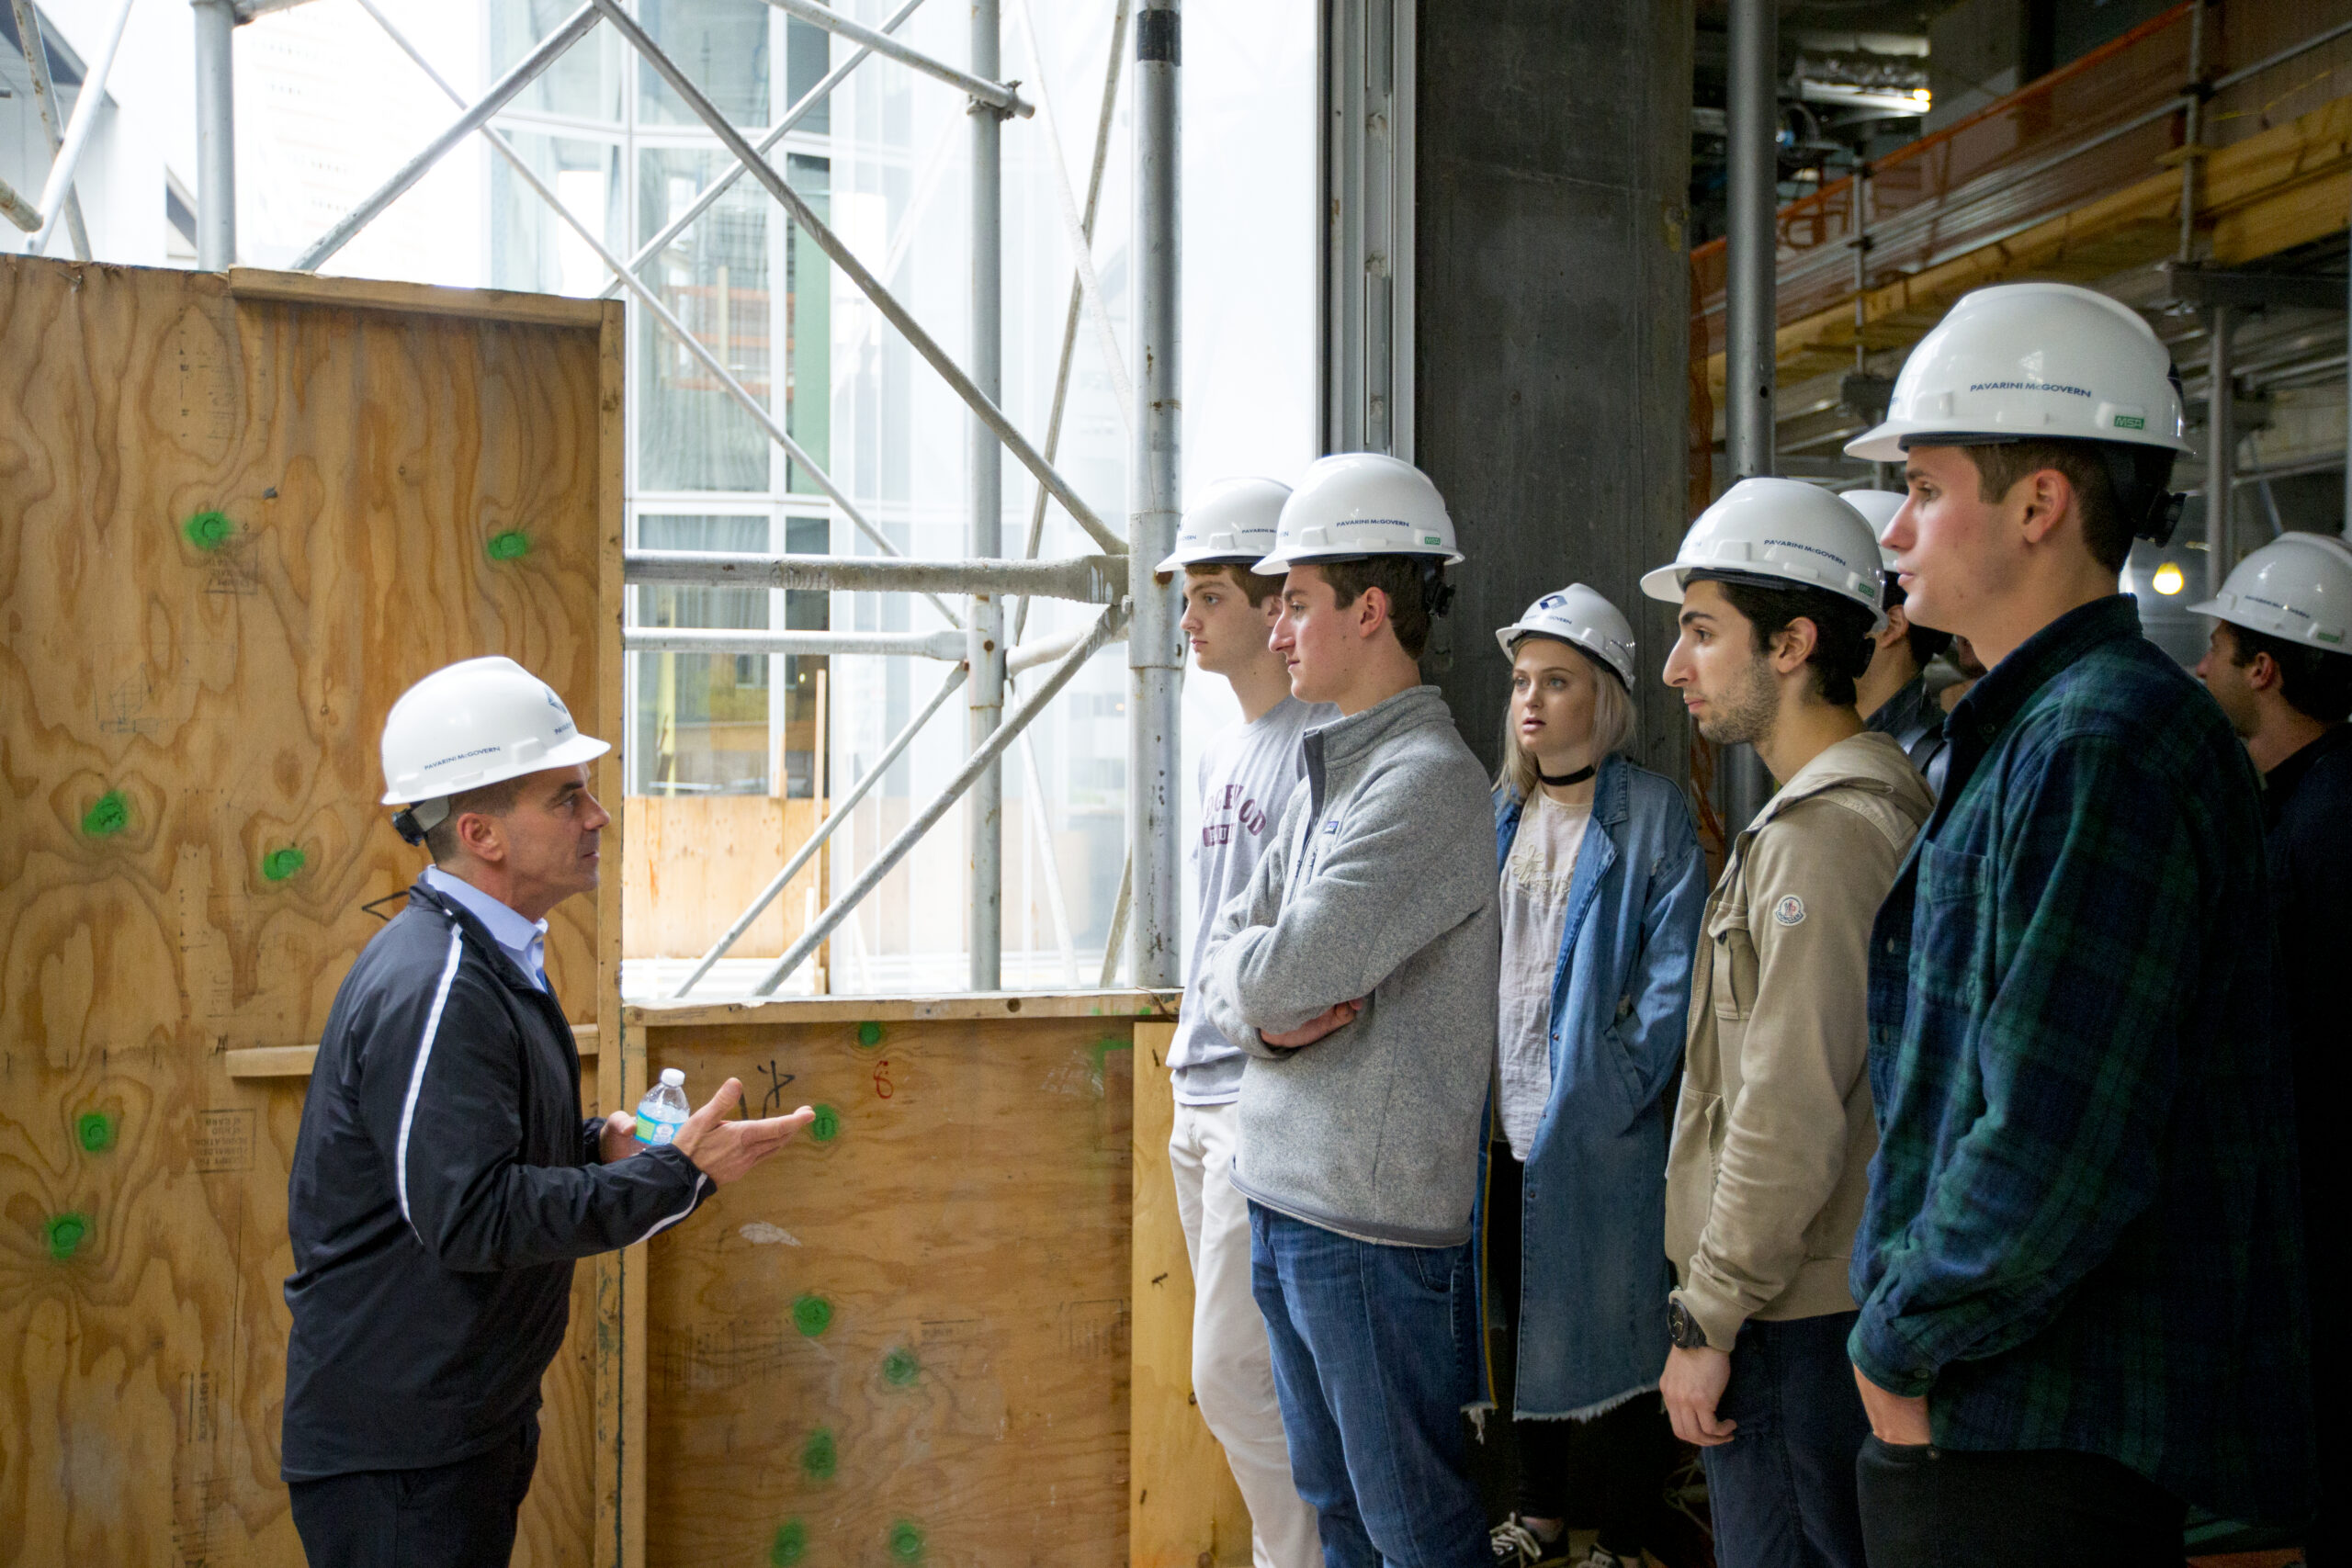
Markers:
point(1564, 779)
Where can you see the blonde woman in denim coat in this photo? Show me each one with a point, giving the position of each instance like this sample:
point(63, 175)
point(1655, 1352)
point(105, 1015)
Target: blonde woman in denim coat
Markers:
point(1602, 887)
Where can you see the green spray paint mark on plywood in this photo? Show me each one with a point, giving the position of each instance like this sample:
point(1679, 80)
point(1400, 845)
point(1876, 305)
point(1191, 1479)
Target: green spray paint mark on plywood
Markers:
point(869, 1034)
point(208, 530)
point(108, 816)
point(906, 1541)
point(812, 1315)
point(900, 1367)
point(280, 865)
point(94, 1130)
point(64, 1233)
point(790, 1545)
point(512, 545)
point(819, 1456)
point(827, 1126)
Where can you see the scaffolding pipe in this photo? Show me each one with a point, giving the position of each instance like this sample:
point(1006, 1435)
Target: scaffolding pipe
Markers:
point(1085, 579)
point(834, 818)
point(216, 135)
point(1029, 656)
point(856, 272)
point(1105, 626)
point(53, 125)
point(985, 629)
point(942, 645)
point(573, 29)
point(1750, 346)
point(2221, 450)
point(980, 82)
point(19, 211)
point(1117, 939)
point(87, 101)
point(724, 183)
point(1155, 645)
point(662, 312)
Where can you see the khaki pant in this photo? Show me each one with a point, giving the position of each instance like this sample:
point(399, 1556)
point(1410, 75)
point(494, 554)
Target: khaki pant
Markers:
point(1233, 1372)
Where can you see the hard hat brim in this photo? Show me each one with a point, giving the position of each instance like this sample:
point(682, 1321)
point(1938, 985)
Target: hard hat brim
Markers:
point(1276, 565)
point(1179, 560)
point(565, 755)
point(1884, 443)
point(1508, 635)
point(1665, 584)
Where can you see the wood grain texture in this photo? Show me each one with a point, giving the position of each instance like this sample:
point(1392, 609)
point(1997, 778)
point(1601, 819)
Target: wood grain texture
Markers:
point(690, 1013)
point(232, 529)
point(904, 1341)
point(1184, 1510)
point(696, 862)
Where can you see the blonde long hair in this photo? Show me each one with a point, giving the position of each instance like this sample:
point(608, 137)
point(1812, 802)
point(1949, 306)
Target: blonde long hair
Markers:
point(1612, 723)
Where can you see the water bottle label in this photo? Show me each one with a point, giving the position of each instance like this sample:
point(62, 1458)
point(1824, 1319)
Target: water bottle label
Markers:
point(655, 1132)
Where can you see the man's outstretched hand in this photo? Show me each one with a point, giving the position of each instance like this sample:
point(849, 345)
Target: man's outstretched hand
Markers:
point(1339, 1015)
point(722, 1149)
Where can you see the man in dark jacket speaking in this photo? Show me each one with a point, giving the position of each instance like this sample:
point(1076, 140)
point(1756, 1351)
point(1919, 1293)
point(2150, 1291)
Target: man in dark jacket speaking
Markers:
point(443, 1180)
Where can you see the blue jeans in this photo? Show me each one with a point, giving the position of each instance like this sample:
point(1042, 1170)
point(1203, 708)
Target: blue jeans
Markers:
point(1782, 1489)
point(1371, 1386)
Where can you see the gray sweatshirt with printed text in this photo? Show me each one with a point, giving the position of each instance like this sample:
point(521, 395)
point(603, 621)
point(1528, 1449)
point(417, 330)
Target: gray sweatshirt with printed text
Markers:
point(1380, 885)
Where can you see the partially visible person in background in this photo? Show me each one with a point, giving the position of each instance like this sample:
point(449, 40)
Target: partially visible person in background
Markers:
point(1894, 695)
point(2277, 664)
point(1247, 775)
point(1603, 885)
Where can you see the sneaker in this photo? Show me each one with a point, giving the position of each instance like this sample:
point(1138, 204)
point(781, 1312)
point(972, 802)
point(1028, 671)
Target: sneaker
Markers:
point(1513, 1545)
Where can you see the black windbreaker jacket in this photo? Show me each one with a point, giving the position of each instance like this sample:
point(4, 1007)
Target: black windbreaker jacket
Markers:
point(444, 1181)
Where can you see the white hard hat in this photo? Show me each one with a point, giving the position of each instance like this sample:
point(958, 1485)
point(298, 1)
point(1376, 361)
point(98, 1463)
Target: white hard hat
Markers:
point(2033, 361)
point(1361, 504)
point(1779, 533)
point(1233, 521)
point(1878, 508)
point(2298, 587)
point(479, 721)
point(1581, 617)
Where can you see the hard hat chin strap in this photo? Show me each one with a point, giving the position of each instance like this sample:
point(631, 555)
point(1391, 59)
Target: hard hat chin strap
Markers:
point(1437, 594)
point(413, 822)
point(2143, 481)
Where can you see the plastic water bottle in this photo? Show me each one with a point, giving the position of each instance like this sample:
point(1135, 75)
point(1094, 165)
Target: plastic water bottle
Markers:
point(664, 1110)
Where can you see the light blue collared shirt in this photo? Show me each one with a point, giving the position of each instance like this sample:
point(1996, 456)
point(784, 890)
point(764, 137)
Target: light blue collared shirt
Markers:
point(526, 942)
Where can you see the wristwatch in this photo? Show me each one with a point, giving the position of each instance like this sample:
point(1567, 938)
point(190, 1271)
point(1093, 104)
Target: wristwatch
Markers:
point(1681, 1327)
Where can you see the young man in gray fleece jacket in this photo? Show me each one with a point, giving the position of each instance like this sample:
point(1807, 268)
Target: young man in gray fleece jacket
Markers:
point(1358, 970)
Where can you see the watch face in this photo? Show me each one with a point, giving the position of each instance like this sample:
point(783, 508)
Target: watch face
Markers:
point(1683, 1328)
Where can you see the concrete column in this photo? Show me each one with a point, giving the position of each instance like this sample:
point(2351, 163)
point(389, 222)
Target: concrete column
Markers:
point(1551, 315)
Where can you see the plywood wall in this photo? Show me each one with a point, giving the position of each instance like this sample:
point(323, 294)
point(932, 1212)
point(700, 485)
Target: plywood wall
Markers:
point(905, 1340)
point(233, 526)
point(696, 863)
point(1185, 1511)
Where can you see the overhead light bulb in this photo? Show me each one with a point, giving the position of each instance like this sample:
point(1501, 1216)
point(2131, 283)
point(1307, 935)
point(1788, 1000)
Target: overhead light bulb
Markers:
point(2167, 579)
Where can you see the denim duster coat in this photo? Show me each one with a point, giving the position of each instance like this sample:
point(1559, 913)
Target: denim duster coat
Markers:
point(1592, 1245)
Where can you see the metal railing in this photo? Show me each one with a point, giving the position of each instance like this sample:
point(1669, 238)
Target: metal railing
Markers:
point(974, 643)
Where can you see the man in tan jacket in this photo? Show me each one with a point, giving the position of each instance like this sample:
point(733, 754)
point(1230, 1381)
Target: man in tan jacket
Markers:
point(1773, 1134)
